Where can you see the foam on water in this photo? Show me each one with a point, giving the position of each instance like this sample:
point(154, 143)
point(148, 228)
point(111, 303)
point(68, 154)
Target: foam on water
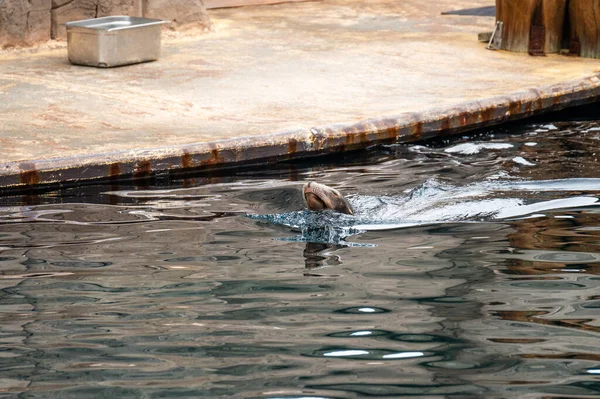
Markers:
point(475, 148)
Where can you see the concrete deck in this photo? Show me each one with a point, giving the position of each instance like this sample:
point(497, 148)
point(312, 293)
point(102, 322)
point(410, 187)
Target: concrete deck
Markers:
point(285, 80)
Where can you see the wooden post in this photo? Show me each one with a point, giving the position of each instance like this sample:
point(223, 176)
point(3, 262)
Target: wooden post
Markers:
point(532, 26)
point(584, 18)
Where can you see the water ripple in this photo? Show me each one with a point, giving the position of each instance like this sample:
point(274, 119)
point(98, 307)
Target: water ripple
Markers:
point(464, 273)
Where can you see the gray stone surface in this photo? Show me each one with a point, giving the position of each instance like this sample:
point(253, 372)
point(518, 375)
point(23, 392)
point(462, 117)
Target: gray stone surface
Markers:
point(27, 22)
point(71, 11)
point(23, 23)
point(63, 12)
point(188, 13)
point(120, 7)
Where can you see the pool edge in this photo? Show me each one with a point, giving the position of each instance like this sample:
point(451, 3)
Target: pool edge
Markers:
point(304, 142)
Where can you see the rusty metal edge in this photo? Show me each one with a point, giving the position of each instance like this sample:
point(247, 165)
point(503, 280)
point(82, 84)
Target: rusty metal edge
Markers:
point(407, 127)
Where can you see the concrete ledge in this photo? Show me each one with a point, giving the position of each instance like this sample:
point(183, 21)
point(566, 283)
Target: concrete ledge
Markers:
point(279, 82)
point(407, 127)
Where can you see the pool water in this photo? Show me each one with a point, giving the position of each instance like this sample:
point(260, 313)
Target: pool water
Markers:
point(221, 286)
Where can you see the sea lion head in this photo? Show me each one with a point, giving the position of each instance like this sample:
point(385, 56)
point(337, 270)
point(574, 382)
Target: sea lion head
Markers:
point(319, 197)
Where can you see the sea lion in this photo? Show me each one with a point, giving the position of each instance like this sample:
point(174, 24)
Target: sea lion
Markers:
point(319, 196)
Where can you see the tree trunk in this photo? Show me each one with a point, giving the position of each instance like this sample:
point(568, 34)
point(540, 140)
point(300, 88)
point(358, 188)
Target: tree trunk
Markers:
point(532, 26)
point(584, 18)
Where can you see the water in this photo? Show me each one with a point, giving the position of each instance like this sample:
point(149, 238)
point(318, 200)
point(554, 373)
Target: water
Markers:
point(469, 270)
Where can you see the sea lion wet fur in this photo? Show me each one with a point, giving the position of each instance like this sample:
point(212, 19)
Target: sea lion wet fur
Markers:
point(319, 197)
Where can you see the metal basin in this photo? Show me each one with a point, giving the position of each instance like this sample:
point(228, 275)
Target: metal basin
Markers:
point(113, 41)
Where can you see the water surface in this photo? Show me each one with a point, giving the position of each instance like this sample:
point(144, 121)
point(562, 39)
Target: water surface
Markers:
point(434, 289)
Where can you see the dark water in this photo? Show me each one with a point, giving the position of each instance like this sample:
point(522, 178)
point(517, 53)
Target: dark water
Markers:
point(451, 281)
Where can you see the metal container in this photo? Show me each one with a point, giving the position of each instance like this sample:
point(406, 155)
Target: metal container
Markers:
point(112, 41)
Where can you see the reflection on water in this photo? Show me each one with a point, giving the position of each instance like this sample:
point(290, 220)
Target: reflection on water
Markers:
point(168, 290)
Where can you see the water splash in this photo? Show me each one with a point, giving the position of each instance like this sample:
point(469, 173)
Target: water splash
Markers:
point(319, 227)
point(435, 202)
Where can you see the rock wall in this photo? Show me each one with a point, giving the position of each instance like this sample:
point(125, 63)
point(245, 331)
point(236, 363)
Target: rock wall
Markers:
point(26, 22)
